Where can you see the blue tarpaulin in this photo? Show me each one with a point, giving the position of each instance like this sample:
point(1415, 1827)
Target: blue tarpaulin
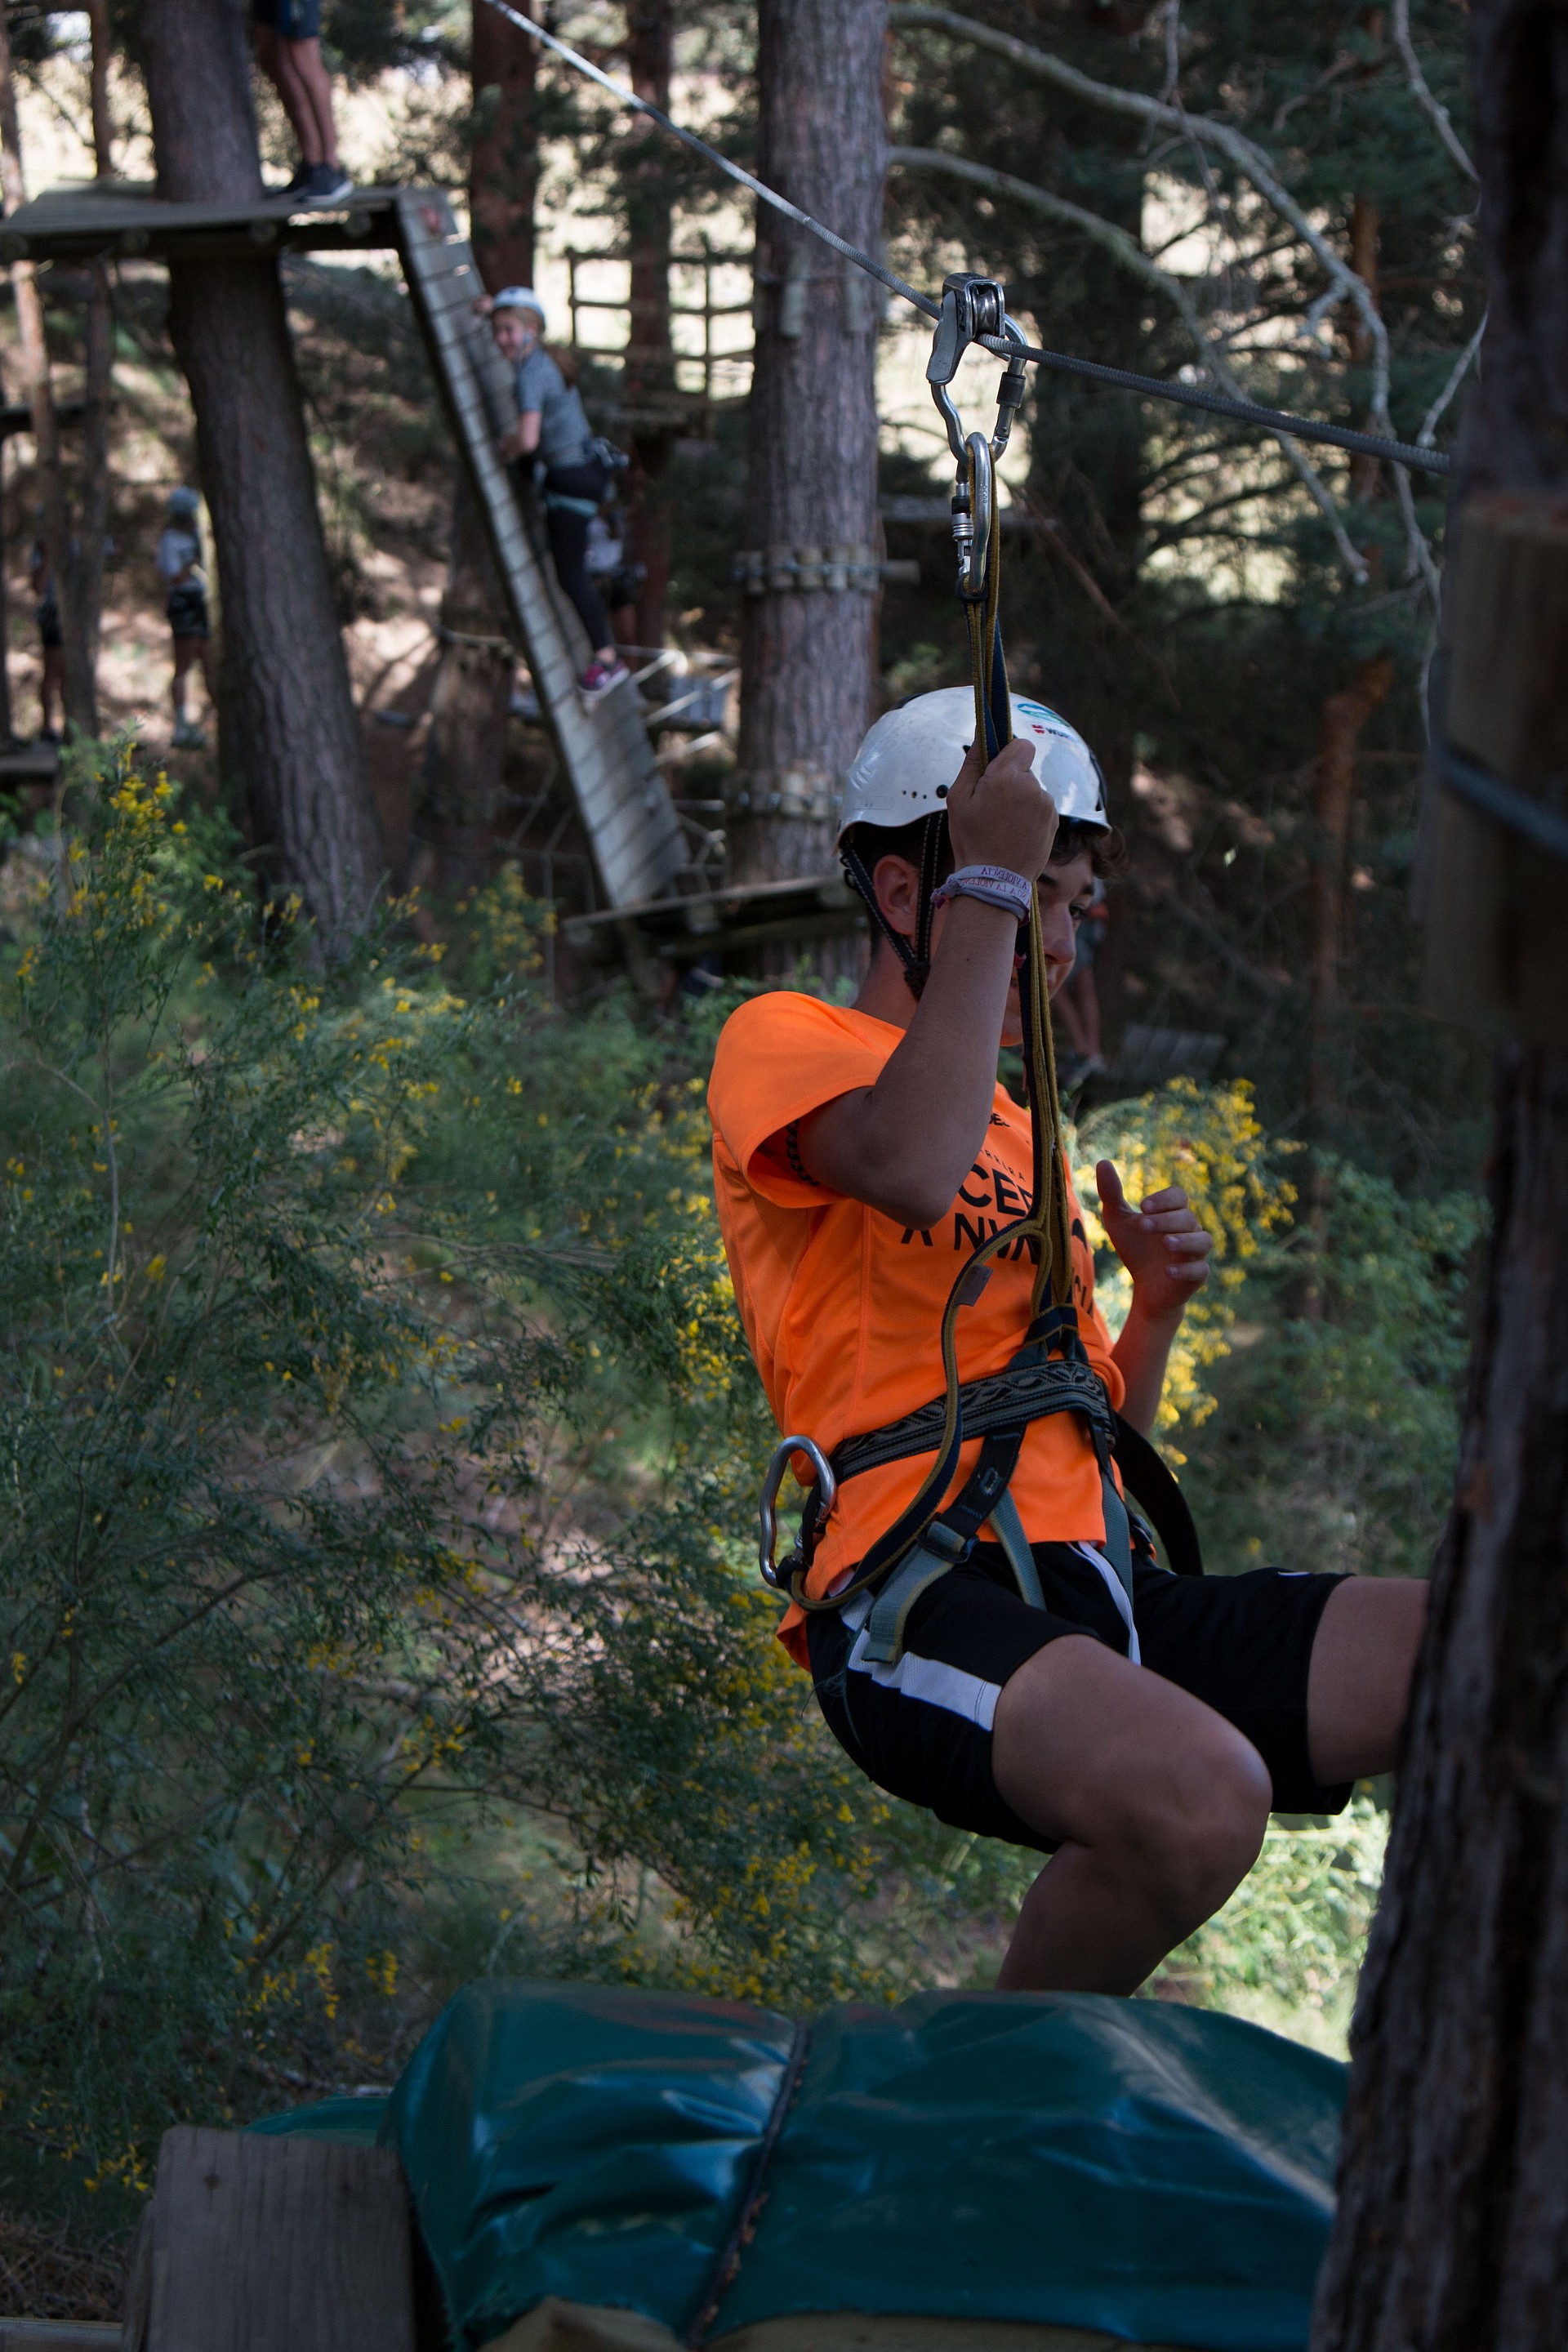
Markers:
point(1163, 2174)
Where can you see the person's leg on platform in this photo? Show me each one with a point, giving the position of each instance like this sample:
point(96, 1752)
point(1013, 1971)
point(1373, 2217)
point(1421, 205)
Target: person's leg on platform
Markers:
point(187, 652)
point(315, 86)
point(52, 692)
point(272, 55)
point(1160, 1806)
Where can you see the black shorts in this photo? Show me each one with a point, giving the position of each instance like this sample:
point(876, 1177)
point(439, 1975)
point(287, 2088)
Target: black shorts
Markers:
point(292, 20)
point(188, 610)
point(921, 1729)
point(48, 619)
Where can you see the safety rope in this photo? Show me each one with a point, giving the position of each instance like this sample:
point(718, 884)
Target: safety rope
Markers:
point(1180, 396)
point(1046, 1226)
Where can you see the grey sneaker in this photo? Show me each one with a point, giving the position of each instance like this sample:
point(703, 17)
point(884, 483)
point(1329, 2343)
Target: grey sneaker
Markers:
point(328, 184)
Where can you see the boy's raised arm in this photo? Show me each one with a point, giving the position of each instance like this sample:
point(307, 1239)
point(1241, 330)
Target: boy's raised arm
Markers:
point(904, 1145)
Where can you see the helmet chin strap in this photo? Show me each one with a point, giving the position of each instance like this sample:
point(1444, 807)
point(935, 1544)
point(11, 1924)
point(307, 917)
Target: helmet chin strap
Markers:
point(915, 959)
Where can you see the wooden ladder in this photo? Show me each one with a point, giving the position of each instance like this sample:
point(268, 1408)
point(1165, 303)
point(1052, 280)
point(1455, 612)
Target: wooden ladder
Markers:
point(622, 798)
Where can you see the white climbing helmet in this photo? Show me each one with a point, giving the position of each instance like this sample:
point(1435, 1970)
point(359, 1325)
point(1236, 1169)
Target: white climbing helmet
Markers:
point(910, 759)
point(519, 297)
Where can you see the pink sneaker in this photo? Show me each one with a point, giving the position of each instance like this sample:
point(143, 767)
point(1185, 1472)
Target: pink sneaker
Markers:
point(600, 677)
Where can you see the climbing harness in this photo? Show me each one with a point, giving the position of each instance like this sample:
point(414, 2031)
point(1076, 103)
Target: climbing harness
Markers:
point(1051, 1372)
point(1181, 396)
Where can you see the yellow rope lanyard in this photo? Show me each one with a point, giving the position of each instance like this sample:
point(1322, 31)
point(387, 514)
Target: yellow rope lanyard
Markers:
point(1048, 1223)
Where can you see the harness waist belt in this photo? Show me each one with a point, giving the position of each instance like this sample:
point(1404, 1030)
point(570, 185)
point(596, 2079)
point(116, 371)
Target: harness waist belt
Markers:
point(1005, 1399)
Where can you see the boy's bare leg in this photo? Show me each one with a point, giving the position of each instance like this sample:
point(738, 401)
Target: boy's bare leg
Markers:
point(301, 61)
point(1357, 1685)
point(52, 689)
point(272, 55)
point(1160, 1804)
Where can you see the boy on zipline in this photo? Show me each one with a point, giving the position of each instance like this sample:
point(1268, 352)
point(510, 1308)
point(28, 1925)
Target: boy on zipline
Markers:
point(1138, 1737)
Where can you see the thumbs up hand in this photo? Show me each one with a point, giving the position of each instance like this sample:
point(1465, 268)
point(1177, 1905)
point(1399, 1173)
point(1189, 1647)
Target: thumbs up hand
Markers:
point(1161, 1244)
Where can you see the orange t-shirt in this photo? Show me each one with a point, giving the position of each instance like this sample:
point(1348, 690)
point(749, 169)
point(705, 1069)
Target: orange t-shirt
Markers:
point(843, 1306)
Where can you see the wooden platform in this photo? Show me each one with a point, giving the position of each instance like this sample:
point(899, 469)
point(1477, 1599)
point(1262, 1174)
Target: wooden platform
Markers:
point(682, 929)
point(634, 834)
point(58, 2335)
point(31, 764)
point(127, 217)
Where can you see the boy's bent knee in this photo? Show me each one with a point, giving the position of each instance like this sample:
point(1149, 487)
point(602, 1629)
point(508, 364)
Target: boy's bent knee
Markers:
point(1192, 1835)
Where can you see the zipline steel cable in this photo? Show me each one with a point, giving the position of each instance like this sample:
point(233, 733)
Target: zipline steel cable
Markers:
point(1179, 395)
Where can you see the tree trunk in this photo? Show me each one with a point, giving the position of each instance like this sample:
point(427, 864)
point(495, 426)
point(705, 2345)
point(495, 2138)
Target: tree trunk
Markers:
point(290, 730)
point(808, 649)
point(33, 350)
point(97, 87)
point(453, 838)
point(83, 613)
point(1345, 716)
point(1452, 2231)
point(651, 400)
point(465, 752)
point(503, 161)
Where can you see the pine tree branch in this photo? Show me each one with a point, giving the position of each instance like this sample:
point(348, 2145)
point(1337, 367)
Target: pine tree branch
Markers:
point(1126, 250)
point(1420, 91)
point(1251, 161)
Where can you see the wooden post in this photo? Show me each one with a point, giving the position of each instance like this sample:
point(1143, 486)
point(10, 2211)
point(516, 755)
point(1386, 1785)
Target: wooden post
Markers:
point(263, 2243)
point(1495, 906)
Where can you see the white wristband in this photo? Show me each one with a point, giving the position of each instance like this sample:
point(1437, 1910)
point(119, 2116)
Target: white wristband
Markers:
point(993, 886)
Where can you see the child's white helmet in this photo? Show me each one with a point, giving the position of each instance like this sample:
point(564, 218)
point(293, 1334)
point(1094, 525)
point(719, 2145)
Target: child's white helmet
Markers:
point(910, 759)
point(519, 297)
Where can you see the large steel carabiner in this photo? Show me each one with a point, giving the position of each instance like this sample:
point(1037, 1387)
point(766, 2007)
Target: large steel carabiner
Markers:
point(767, 1510)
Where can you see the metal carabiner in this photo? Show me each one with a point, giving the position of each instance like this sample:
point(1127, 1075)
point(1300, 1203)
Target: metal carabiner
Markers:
point(974, 520)
point(767, 1513)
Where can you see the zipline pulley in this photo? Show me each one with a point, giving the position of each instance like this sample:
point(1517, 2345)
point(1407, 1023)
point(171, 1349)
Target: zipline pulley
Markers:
point(972, 308)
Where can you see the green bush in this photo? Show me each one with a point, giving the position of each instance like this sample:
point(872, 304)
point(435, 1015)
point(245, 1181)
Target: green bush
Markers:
point(376, 1458)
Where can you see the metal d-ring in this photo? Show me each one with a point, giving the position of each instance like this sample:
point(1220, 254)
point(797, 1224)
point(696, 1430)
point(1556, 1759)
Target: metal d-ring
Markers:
point(767, 1509)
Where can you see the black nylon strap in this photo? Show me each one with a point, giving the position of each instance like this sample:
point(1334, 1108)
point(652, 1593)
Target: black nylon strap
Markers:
point(1020, 1394)
point(1153, 1486)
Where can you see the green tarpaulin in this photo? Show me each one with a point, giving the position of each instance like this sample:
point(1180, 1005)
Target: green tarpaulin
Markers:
point(1161, 2173)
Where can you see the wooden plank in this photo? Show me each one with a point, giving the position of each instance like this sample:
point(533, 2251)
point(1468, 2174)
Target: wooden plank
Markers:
point(58, 2335)
point(620, 792)
point(263, 2243)
point(83, 212)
